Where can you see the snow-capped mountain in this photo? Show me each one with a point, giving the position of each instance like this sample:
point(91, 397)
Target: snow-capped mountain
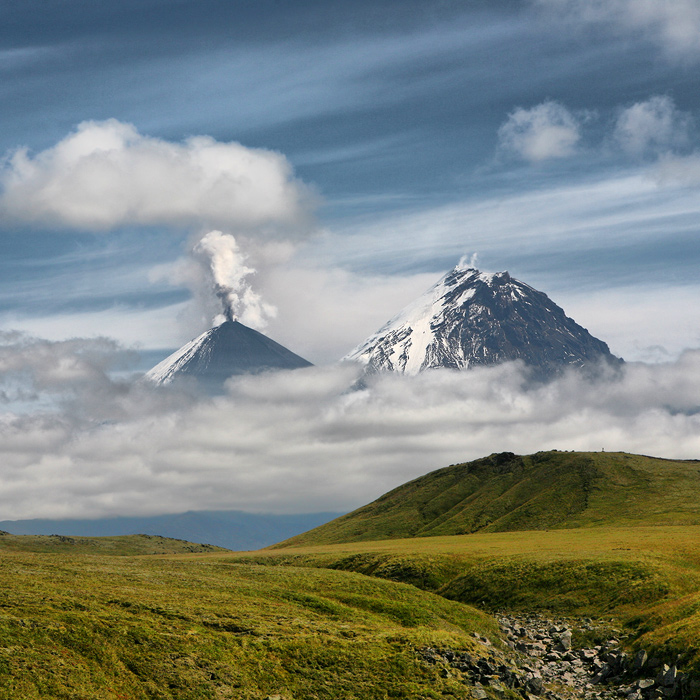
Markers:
point(473, 318)
point(221, 352)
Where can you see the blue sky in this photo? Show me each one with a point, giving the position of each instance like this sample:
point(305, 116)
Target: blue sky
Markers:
point(403, 118)
point(349, 153)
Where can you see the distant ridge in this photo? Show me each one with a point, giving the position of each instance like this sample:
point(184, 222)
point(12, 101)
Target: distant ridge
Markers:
point(471, 318)
point(507, 492)
point(231, 529)
point(221, 352)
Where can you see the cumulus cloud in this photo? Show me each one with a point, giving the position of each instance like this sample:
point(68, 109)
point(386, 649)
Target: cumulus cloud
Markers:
point(106, 174)
point(674, 24)
point(653, 125)
point(545, 131)
point(302, 441)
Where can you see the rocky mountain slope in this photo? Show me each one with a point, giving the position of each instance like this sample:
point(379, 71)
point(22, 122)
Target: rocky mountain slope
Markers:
point(471, 318)
point(222, 352)
point(508, 492)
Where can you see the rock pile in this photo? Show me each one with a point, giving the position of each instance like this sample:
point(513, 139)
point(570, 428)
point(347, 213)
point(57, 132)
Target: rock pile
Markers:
point(546, 666)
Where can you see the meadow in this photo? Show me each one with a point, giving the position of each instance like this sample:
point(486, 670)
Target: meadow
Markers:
point(95, 626)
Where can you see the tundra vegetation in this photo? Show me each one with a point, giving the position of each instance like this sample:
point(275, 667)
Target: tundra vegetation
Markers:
point(618, 544)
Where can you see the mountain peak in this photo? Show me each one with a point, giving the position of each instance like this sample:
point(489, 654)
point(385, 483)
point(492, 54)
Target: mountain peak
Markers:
point(470, 318)
point(221, 352)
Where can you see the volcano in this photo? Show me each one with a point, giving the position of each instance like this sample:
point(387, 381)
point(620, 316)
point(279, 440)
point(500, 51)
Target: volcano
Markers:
point(221, 352)
point(471, 318)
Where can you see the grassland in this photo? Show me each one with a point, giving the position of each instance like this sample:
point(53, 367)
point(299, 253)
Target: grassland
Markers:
point(340, 612)
point(201, 626)
point(644, 578)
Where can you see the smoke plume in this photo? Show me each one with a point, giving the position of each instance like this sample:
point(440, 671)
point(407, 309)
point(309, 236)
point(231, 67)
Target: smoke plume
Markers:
point(226, 272)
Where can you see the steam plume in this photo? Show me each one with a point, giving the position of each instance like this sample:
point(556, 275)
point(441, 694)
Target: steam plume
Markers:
point(227, 272)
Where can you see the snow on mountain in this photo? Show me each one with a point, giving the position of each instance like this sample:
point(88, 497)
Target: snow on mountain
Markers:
point(222, 352)
point(472, 318)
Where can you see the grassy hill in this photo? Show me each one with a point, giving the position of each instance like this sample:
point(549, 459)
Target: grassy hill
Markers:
point(508, 492)
point(123, 545)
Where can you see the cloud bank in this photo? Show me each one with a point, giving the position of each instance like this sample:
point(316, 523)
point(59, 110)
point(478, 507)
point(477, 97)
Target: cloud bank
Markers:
point(106, 174)
point(302, 441)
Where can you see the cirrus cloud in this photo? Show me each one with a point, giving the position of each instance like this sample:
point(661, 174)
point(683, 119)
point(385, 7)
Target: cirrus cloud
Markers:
point(673, 24)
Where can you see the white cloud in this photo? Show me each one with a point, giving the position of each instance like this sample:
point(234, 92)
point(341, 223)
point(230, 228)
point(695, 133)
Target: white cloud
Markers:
point(545, 131)
point(655, 124)
point(674, 24)
point(300, 441)
point(106, 174)
point(674, 170)
point(325, 312)
point(642, 322)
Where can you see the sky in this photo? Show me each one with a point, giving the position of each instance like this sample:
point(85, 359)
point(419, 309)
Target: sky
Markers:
point(324, 164)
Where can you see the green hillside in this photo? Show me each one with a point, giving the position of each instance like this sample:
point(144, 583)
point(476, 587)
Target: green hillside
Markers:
point(123, 545)
point(508, 492)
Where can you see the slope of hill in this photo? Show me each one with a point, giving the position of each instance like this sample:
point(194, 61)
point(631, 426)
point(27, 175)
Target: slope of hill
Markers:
point(506, 492)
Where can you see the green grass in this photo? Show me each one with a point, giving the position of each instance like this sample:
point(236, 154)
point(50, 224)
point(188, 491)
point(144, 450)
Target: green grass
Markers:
point(507, 492)
point(125, 545)
point(92, 627)
point(644, 578)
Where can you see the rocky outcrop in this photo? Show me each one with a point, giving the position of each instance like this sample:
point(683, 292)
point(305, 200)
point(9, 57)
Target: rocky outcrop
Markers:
point(544, 664)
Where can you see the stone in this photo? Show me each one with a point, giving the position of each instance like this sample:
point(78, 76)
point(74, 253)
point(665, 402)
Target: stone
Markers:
point(663, 670)
point(535, 685)
point(645, 683)
point(639, 660)
point(564, 641)
point(670, 677)
point(478, 693)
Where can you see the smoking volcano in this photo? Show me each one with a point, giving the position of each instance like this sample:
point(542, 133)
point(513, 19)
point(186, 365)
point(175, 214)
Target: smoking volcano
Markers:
point(229, 348)
point(222, 352)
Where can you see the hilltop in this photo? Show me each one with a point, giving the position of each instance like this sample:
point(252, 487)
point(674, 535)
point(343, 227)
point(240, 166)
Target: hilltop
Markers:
point(123, 545)
point(509, 492)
